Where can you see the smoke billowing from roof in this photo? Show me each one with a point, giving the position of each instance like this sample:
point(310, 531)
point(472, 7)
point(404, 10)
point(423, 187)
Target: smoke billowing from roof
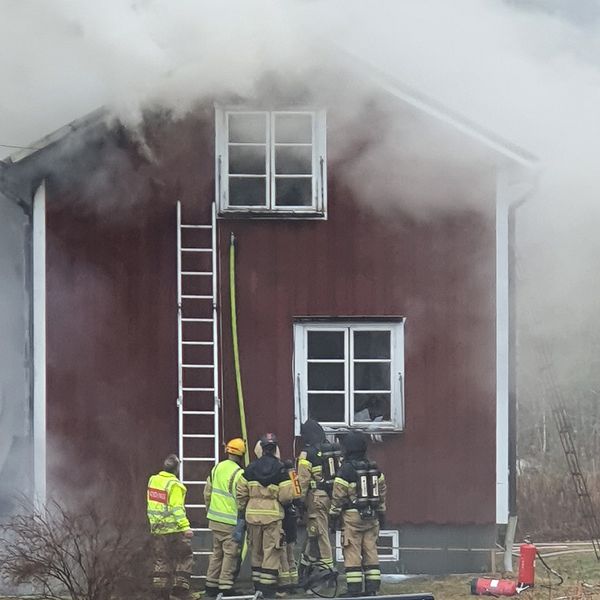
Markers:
point(528, 75)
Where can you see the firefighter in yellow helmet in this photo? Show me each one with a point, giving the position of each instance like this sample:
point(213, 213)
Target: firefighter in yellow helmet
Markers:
point(171, 533)
point(358, 499)
point(262, 492)
point(220, 499)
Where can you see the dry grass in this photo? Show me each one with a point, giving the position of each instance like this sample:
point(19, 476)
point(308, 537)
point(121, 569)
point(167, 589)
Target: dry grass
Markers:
point(575, 568)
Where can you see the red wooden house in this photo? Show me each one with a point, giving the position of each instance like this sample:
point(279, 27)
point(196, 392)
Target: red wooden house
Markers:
point(373, 290)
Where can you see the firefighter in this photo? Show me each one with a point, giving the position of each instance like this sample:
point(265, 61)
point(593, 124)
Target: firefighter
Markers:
point(288, 572)
point(358, 499)
point(316, 489)
point(263, 490)
point(220, 500)
point(171, 533)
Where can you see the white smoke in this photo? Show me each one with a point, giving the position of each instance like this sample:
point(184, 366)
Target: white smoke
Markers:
point(529, 75)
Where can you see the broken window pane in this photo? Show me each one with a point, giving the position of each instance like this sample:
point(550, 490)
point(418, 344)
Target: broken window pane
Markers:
point(326, 376)
point(327, 407)
point(248, 128)
point(293, 191)
point(293, 160)
point(293, 129)
point(247, 160)
point(372, 407)
point(371, 376)
point(326, 344)
point(247, 191)
point(372, 344)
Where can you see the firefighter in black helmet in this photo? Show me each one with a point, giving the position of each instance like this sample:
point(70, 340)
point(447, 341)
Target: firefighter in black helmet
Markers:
point(262, 492)
point(316, 486)
point(358, 505)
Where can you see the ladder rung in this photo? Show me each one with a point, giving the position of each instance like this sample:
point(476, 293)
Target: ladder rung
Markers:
point(200, 529)
point(197, 320)
point(198, 459)
point(197, 366)
point(198, 576)
point(196, 297)
point(189, 343)
point(194, 482)
point(202, 552)
point(196, 273)
point(196, 226)
point(195, 505)
point(198, 412)
point(198, 435)
point(196, 249)
point(196, 389)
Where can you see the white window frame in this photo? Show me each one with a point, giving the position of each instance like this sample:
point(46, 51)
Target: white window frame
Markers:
point(394, 556)
point(318, 207)
point(396, 329)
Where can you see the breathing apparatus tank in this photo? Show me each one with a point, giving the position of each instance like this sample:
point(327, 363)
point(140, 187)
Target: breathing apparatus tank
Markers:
point(367, 488)
point(373, 473)
point(363, 495)
point(331, 455)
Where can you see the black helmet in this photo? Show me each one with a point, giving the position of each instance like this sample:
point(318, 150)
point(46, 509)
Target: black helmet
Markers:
point(312, 433)
point(354, 443)
point(268, 442)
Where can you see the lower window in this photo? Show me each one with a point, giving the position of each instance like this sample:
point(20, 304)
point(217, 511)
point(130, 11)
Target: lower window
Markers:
point(387, 546)
point(350, 374)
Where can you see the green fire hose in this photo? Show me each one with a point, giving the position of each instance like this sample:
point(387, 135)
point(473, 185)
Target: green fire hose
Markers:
point(236, 350)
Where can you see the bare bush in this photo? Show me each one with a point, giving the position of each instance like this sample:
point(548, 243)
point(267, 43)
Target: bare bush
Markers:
point(82, 554)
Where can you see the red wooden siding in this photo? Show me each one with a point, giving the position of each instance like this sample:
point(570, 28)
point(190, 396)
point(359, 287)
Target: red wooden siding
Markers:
point(112, 378)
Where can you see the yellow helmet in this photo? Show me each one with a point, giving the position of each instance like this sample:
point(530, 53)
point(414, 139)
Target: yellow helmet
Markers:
point(237, 446)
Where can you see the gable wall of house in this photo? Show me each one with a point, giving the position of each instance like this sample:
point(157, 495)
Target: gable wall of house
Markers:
point(112, 345)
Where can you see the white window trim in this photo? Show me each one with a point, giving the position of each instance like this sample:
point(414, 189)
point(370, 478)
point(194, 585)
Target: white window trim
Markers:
point(318, 207)
point(394, 556)
point(39, 344)
point(396, 328)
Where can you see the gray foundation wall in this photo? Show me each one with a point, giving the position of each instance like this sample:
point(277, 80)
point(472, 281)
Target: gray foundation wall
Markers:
point(16, 468)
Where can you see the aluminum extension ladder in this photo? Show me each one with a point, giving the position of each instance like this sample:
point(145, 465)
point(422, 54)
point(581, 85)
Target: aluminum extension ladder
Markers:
point(198, 372)
point(564, 426)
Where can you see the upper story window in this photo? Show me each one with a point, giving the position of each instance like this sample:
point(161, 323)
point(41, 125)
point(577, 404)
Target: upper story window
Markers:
point(350, 374)
point(271, 163)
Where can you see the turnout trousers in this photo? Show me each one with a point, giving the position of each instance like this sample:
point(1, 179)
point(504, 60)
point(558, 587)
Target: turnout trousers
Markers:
point(288, 572)
point(224, 562)
point(173, 563)
point(318, 545)
point(359, 545)
point(265, 542)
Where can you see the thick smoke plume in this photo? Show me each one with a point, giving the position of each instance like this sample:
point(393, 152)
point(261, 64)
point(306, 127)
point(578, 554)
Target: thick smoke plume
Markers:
point(525, 70)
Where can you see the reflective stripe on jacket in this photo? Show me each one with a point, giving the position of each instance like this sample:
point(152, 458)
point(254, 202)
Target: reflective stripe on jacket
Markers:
point(263, 504)
point(166, 504)
point(220, 492)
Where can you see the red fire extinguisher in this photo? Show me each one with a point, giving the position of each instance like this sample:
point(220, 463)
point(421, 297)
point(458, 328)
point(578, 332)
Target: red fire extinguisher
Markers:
point(493, 587)
point(506, 587)
point(527, 554)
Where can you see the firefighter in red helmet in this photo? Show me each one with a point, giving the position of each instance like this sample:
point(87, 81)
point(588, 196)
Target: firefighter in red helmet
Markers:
point(358, 501)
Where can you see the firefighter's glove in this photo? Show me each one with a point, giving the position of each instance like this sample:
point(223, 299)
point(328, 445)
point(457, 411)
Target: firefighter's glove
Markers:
point(381, 519)
point(238, 531)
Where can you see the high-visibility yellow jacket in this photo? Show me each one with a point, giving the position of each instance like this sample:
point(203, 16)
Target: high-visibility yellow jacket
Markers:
point(263, 490)
point(166, 504)
point(220, 492)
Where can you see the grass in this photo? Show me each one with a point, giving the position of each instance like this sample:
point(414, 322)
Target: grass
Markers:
point(575, 568)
